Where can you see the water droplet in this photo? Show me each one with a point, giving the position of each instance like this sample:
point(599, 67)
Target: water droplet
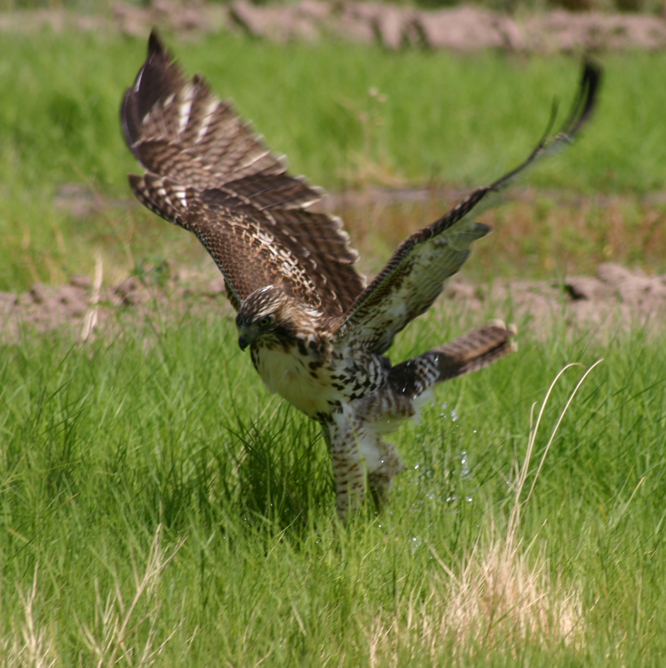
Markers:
point(464, 464)
point(416, 542)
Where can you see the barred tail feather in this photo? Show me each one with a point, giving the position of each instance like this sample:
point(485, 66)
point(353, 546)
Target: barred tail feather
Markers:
point(475, 350)
point(466, 354)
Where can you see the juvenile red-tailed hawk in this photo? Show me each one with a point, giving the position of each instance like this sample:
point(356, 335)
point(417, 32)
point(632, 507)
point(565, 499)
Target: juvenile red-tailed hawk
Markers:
point(317, 333)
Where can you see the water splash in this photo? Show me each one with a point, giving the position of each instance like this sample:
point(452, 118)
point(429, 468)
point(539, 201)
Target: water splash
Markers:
point(464, 465)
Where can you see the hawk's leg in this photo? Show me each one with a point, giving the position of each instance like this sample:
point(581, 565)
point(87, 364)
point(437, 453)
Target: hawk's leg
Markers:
point(348, 468)
point(381, 478)
point(375, 415)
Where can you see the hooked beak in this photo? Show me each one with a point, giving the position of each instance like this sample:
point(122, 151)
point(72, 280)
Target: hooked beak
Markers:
point(243, 342)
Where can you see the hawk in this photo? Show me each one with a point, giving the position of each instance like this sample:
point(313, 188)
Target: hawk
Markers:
point(318, 334)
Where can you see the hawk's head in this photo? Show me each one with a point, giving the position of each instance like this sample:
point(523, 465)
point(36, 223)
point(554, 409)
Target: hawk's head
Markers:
point(270, 315)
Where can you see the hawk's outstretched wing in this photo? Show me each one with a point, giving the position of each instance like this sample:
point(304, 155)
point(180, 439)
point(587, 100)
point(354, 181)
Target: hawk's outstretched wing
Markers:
point(207, 172)
point(414, 276)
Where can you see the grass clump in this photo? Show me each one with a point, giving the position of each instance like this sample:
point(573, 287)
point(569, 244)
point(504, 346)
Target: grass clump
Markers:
point(158, 507)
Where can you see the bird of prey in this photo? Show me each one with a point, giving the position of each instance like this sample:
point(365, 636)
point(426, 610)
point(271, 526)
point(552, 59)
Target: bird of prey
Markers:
point(318, 333)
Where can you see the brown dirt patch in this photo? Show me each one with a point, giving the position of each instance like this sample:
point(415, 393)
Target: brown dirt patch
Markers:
point(612, 300)
point(459, 28)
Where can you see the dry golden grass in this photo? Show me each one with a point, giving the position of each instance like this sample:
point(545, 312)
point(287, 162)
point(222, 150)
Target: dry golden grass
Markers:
point(29, 645)
point(535, 234)
point(501, 596)
point(118, 618)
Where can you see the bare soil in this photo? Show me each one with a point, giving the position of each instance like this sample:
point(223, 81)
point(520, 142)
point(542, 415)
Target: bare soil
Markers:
point(613, 300)
point(459, 28)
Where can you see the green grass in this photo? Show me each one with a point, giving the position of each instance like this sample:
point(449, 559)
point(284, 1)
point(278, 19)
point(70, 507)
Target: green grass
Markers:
point(446, 118)
point(157, 506)
point(161, 442)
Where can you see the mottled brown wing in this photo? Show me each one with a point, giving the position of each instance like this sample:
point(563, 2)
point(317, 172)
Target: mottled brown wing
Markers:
point(209, 173)
point(415, 274)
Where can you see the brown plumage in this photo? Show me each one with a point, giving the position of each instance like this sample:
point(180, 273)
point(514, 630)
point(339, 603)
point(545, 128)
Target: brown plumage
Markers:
point(316, 333)
point(207, 172)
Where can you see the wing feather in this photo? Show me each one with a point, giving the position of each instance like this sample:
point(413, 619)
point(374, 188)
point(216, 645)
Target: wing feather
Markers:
point(208, 172)
point(415, 274)
point(253, 247)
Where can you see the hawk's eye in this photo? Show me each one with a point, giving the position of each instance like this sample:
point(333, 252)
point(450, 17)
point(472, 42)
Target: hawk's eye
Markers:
point(264, 322)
